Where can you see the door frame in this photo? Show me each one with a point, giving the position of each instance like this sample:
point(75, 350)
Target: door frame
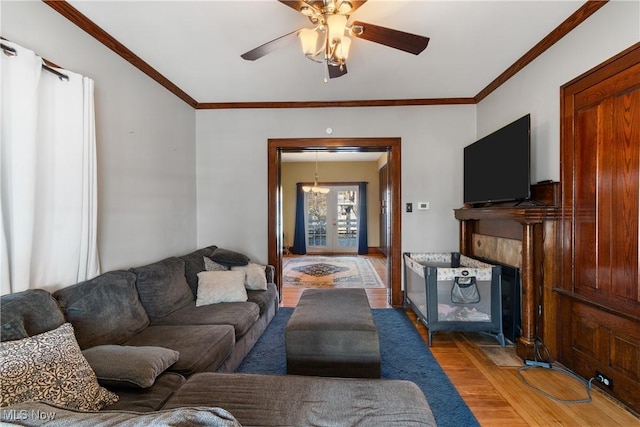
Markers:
point(274, 194)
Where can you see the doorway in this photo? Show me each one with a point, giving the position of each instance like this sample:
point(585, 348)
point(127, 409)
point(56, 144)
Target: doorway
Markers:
point(275, 229)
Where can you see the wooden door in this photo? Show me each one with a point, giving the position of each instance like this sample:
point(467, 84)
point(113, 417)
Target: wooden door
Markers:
point(384, 207)
point(600, 290)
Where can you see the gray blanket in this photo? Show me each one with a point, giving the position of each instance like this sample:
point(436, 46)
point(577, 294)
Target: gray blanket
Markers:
point(43, 414)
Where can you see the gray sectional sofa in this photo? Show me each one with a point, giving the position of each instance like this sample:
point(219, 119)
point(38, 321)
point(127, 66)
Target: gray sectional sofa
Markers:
point(195, 349)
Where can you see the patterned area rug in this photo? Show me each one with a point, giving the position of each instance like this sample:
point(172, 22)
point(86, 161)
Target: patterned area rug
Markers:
point(317, 271)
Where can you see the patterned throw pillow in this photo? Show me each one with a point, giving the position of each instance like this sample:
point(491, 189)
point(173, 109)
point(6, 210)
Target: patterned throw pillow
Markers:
point(50, 367)
point(211, 265)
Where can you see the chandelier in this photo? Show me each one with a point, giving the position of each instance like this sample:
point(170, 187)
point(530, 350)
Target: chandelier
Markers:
point(315, 188)
point(327, 42)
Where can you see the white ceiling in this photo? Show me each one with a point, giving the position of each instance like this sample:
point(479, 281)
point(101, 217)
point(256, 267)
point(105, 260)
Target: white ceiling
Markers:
point(197, 45)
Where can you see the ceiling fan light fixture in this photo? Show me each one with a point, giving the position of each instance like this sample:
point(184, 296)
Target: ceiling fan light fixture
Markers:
point(345, 7)
point(309, 40)
point(341, 52)
point(336, 25)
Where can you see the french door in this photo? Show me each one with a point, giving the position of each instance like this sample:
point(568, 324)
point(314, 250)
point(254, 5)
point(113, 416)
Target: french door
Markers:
point(331, 220)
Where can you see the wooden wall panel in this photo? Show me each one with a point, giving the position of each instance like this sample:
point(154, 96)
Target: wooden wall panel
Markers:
point(625, 355)
point(609, 344)
point(585, 200)
point(600, 255)
point(589, 336)
point(624, 224)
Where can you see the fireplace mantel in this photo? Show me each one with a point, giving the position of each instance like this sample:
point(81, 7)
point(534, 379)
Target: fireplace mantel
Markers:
point(523, 215)
point(535, 227)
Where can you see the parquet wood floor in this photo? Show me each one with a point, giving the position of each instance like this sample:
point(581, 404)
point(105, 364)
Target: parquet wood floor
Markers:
point(496, 395)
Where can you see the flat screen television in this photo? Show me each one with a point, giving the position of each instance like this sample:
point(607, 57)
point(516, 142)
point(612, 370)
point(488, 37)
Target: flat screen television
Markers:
point(497, 167)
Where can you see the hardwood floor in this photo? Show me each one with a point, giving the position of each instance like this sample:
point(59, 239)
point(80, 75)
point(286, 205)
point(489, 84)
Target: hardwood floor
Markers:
point(496, 395)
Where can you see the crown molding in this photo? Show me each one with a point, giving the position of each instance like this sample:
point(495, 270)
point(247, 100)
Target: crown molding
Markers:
point(329, 104)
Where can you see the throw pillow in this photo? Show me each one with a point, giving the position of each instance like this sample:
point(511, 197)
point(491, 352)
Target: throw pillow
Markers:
point(256, 278)
point(211, 265)
point(229, 258)
point(103, 310)
point(220, 286)
point(163, 287)
point(194, 264)
point(27, 313)
point(129, 366)
point(50, 367)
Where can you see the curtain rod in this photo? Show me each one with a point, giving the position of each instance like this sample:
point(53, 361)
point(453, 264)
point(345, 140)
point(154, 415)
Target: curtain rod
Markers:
point(12, 52)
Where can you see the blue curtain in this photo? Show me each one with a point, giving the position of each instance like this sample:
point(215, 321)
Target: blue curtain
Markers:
point(363, 242)
point(299, 237)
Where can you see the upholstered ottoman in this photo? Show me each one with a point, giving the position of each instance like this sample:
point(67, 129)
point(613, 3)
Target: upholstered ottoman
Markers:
point(331, 333)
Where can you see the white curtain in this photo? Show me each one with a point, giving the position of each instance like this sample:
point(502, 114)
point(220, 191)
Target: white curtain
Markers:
point(48, 178)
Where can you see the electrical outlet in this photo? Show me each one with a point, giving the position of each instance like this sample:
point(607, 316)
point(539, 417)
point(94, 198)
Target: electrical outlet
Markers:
point(604, 380)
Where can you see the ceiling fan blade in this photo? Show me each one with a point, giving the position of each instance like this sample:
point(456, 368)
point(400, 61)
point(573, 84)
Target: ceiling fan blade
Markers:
point(269, 47)
point(407, 42)
point(336, 71)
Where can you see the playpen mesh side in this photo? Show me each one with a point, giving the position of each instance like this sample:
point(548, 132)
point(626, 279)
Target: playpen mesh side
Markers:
point(448, 311)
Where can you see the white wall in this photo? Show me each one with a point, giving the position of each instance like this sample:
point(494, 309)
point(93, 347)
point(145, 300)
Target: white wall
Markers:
point(536, 89)
point(232, 167)
point(146, 141)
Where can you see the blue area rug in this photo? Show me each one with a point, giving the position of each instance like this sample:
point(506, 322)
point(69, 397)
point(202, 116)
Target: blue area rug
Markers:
point(403, 353)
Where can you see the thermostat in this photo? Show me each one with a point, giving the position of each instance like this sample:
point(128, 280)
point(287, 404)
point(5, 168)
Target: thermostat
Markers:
point(423, 206)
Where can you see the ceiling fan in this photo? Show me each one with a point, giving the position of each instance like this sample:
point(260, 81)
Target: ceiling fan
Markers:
point(328, 41)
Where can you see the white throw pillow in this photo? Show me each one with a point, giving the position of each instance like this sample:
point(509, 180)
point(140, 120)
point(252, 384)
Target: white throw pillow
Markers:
point(50, 367)
point(256, 279)
point(220, 286)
